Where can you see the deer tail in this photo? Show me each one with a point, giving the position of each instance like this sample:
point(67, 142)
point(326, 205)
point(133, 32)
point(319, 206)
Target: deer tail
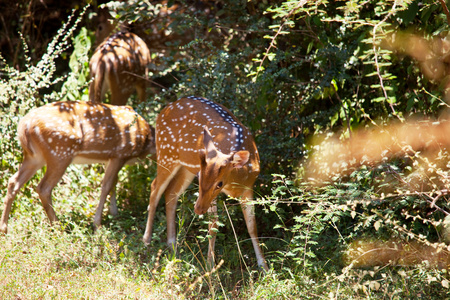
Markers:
point(96, 87)
point(25, 131)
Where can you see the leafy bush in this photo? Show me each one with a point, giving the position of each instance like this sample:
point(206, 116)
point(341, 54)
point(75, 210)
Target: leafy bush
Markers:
point(290, 70)
point(24, 90)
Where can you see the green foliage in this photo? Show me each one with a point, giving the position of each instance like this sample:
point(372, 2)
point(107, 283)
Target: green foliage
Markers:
point(21, 91)
point(346, 67)
point(288, 70)
point(328, 220)
point(74, 87)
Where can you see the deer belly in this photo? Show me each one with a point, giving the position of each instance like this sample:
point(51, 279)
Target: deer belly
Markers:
point(84, 160)
point(99, 158)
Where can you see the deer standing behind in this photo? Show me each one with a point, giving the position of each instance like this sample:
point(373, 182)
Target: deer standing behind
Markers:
point(119, 64)
point(62, 133)
point(198, 136)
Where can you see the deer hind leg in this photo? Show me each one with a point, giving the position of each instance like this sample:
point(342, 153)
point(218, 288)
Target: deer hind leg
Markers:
point(52, 176)
point(120, 92)
point(164, 176)
point(212, 231)
point(140, 90)
point(28, 168)
point(113, 199)
point(108, 184)
point(119, 98)
point(250, 220)
point(177, 186)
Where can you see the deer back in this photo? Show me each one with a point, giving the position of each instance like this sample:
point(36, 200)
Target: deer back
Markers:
point(85, 131)
point(118, 64)
point(180, 137)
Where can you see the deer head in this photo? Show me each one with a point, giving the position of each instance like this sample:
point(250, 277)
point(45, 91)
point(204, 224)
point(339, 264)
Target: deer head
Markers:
point(215, 171)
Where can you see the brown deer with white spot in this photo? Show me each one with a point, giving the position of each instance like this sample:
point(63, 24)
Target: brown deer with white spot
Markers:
point(64, 133)
point(198, 136)
point(119, 64)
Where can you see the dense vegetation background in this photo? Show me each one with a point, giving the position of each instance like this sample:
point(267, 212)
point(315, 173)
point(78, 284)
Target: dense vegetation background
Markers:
point(291, 71)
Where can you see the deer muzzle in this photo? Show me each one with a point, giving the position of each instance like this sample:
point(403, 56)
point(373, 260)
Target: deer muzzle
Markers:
point(200, 209)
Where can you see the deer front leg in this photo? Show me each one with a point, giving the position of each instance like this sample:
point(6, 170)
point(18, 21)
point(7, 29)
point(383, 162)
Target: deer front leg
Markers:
point(173, 191)
point(250, 221)
point(159, 185)
point(109, 180)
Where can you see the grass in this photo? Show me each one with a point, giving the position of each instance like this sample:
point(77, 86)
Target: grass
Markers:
point(70, 261)
point(39, 262)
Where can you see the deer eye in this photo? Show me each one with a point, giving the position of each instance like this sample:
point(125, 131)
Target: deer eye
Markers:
point(219, 185)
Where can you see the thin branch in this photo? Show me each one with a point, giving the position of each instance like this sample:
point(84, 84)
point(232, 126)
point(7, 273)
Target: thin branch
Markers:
point(445, 8)
point(375, 54)
point(347, 117)
point(272, 41)
point(148, 80)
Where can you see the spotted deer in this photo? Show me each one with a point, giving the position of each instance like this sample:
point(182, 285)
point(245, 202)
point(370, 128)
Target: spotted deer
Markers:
point(64, 133)
point(119, 64)
point(198, 136)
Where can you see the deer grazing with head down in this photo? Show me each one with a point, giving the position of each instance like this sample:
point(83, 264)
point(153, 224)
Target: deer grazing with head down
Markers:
point(198, 136)
point(63, 133)
point(120, 64)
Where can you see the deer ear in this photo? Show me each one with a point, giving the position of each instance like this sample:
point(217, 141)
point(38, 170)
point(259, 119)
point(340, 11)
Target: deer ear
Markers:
point(240, 158)
point(211, 150)
point(202, 154)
